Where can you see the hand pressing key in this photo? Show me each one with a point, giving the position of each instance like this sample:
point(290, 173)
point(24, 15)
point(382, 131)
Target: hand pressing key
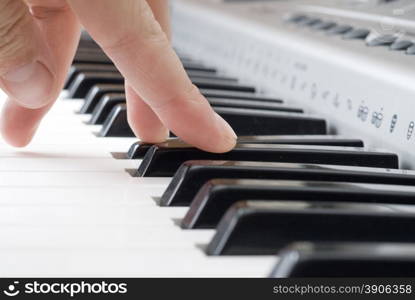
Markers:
point(38, 39)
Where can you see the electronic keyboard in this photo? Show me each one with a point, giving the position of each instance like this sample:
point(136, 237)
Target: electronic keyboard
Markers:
point(319, 183)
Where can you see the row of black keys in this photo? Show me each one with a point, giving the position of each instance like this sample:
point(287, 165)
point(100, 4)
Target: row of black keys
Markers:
point(299, 198)
point(258, 208)
point(94, 78)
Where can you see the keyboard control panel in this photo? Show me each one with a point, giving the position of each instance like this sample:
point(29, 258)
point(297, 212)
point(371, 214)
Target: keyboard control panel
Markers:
point(352, 62)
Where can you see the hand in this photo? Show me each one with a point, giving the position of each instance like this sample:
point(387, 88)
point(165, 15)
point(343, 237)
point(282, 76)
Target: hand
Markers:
point(38, 39)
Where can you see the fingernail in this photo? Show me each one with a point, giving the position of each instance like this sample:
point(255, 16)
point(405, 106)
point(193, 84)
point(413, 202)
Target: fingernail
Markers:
point(227, 131)
point(30, 85)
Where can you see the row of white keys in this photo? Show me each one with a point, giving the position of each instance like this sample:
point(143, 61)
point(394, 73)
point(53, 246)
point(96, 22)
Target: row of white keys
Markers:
point(68, 208)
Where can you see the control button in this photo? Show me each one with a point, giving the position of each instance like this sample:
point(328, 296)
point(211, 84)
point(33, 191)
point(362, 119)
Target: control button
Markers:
point(310, 22)
point(411, 50)
point(363, 113)
point(410, 130)
point(357, 34)
point(393, 123)
point(324, 25)
point(381, 40)
point(377, 119)
point(297, 18)
point(401, 45)
point(339, 29)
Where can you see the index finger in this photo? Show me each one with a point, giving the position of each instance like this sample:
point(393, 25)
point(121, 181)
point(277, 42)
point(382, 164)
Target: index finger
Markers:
point(134, 40)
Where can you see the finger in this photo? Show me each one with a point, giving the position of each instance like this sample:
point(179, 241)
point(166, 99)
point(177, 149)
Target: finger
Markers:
point(26, 74)
point(129, 34)
point(143, 121)
point(161, 13)
point(51, 48)
point(18, 124)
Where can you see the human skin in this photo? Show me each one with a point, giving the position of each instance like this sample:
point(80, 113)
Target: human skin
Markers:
point(38, 39)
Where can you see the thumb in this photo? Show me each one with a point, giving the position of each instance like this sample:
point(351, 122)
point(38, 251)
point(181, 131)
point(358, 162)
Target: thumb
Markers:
point(24, 75)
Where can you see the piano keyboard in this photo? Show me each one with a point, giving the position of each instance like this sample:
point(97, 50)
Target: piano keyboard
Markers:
point(87, 199)
point(70, 209)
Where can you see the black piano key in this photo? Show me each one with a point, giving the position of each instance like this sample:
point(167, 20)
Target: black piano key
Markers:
point(191, 176)
point(265, 122)
point(261, 122)
point(82, 54)
point(218, 104)
point(212, 79)
point(165, 158)
point(227, 86)
point(92, 49)
point(86, 38)
point(92, 58)
point(217, 195)
point(210, 76)
point(263, 228)
point(96, 93)
point(76, 69)
point(139, 149)
point(89, 47)
point(210, 94)
point(191, 66)
point(237, 95)
point(85, 81)
point(86, 42)
point(116, 125)
point(317, 140)
point(105, 106)
point(90, 52)
point(252, 104)
point(314, 259)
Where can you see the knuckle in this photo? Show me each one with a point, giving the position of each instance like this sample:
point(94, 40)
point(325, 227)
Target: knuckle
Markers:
point(13, 15)
point(150, 29)
point(14, 44)
point(140, 31)
point(45, 12)
point(143, 48)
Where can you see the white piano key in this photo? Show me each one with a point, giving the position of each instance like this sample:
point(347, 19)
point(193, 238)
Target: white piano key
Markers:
point(86, 140)
point(115, 214)
point(113, 236)
point(130, 263)
point(82, 163)
point(70, 179)
point(138, 194)
point(68, 208)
